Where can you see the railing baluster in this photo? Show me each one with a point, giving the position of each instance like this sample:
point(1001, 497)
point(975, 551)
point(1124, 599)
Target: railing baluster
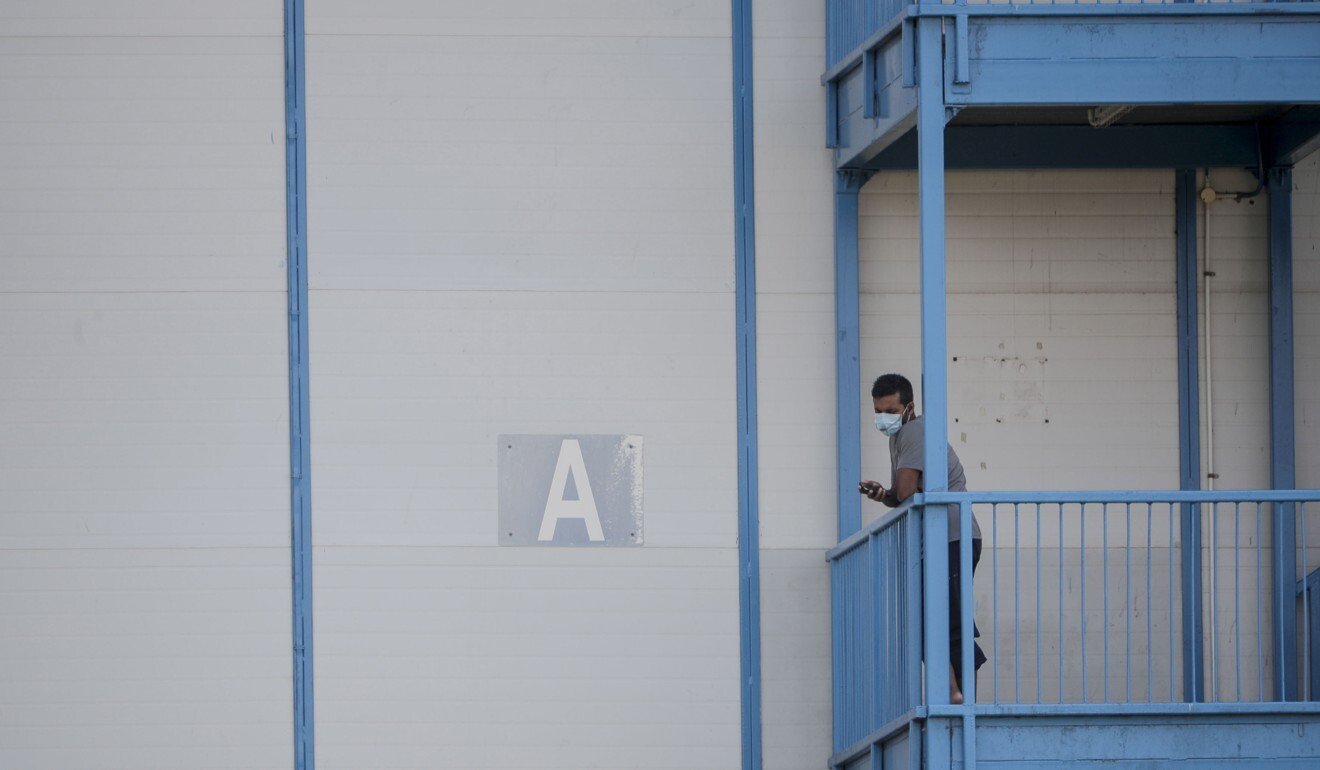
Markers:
point(884, 691)
point(1237, 600)
point(914, 607)
point(1150, 595)
point(1260, 621)
point(1214, 602)
point(1017, 612)
point(1104, 584)
point(900, 601)
point(1172, 669)
point(1081, 584)
point(901, 651)
point(845, 647)
point(859, 608)
point(836, 654)
point(994, 593)
point(877, 609)
point(848, 681)
point(1038, 607)
point(1127, 605)
point(1061, 690)
point(966, 603)
point(1306, 608)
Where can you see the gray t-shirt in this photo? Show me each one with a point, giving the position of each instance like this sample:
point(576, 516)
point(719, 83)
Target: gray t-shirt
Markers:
point(906, 450)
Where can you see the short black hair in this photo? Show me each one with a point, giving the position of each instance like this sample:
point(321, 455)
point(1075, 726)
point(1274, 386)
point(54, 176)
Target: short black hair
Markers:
point(888, 384)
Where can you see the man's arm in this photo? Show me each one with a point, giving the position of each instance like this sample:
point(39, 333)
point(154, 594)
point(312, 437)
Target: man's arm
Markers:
point(907, 482)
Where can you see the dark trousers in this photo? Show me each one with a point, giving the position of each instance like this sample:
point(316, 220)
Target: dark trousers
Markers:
point(955, 609)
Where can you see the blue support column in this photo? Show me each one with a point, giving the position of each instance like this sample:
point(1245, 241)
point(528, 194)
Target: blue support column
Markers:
point(930, 182)
point(300, 442)
point(749, 541)
point(1283, 470)
point(847, 350)
point(1189, 433)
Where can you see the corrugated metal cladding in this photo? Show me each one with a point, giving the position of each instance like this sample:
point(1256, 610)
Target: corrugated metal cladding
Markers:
point(144, 463)
point(520, 223)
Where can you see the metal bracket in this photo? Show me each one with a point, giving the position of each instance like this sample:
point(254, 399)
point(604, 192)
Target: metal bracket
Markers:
point(1277, 176)
point(909, 44)
point(832, 114)
point(962, 67)
point(870, 78)
point(851, 179)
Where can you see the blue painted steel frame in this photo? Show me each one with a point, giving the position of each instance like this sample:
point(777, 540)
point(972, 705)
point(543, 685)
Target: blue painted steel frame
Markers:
point(1119, 147)
point(926, 28)
point(749, 565)
point(934, 342)
point(1189, 432)
point(300, 463)
point(1283, 470)
point(847, 350)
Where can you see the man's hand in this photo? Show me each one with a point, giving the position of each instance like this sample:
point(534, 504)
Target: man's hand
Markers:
point(873, 490)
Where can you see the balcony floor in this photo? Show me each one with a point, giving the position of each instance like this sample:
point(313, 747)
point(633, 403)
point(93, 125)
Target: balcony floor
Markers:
point(1034, 738)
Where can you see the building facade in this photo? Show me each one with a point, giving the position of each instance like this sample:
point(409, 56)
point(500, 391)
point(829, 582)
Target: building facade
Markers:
point(520, 220)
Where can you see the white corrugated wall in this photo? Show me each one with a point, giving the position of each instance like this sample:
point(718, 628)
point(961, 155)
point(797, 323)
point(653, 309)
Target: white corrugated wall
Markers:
point(521, 222)
point(144, 497)
point(795, 346)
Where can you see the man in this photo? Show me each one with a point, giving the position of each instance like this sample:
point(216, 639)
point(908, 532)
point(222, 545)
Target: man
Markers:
point(896, 417)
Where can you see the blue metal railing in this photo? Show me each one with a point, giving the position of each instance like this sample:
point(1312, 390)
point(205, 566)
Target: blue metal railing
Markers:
point(1081, 601)
point(876, 630)
point(850, 23)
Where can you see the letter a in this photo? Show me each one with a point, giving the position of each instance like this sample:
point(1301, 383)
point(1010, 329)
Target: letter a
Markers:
point(556, 507)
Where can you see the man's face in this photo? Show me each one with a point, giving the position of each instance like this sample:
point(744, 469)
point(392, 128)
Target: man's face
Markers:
point(890, 405)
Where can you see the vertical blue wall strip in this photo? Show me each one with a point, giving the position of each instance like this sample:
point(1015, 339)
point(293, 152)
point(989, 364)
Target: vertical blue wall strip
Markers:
point(1189, 429)
point(295, 167)
point(749, 563)
point(1283, 462)
point(847, 351)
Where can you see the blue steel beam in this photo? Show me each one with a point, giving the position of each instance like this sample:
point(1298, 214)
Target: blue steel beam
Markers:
point(930, 184)
point(1295, 135)
point(844, 30)
point(1283, 467)
point(1189, 433)
point(300, 442)
point(1136, 711)
point(1022, 147)
point(847, 351)
point(1033, 60)
point(869, 104)
point(749, 563)
point(1256, 9)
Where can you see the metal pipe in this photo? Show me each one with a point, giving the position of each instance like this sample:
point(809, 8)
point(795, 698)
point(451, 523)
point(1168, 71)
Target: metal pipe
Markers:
point(1208, 196)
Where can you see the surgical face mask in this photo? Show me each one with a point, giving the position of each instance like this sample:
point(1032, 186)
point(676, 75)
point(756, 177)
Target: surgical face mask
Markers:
point(888, 424)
